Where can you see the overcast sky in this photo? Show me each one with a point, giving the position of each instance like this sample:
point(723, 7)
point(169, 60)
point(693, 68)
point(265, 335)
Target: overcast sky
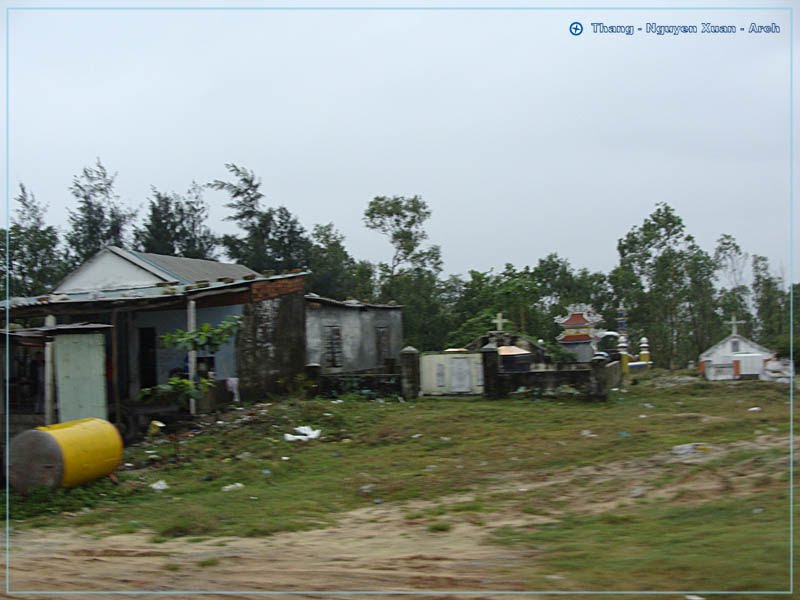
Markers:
point(523, 139)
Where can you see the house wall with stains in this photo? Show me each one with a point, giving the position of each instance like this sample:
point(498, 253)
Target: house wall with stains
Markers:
point(270, 342)
point(360, 344)
point(169, 360)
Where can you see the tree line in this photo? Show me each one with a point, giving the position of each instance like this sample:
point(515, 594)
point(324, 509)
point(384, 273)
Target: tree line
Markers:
point(676, 293)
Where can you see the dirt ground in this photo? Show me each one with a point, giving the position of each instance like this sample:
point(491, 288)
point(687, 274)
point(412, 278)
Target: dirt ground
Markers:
point(371, 549)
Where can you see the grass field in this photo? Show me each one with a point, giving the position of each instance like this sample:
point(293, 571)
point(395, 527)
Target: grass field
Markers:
point(596, 494)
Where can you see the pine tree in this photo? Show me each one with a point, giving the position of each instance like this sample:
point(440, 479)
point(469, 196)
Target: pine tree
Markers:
point(99, 219)
point(273, 238)
point(35, 259)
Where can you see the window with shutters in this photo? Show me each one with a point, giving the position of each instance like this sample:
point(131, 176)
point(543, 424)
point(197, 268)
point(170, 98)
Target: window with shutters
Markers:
point(333, 346)
point(381, 344)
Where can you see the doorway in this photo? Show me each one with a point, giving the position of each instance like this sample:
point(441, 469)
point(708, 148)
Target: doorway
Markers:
point(148, 371)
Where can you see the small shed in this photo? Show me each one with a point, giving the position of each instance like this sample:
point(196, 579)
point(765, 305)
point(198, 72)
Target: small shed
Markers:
point(735, 357)
point(54, 374)
point(352, 336)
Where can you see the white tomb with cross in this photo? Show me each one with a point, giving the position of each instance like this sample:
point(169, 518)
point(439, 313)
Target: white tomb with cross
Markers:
point(735, 357)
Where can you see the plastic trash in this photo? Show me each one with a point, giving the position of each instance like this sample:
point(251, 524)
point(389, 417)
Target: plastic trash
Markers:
point(160, 485)
point(266, 472)
point(305, 433)
point(232, 385)
point(684, 449)
point(754, 409)
point(232, 487)
point(154, 427)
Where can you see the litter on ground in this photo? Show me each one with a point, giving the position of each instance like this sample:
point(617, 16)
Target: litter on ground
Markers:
point(305, 433)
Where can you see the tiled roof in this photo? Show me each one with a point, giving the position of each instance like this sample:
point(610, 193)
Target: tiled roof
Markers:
point(578, 337)
point(575, 319)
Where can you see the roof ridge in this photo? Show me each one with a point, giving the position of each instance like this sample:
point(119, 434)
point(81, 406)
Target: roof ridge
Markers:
point(157, 265)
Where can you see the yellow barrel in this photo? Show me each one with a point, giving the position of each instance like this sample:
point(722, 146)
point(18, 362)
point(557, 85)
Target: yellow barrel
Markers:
point(65, 454)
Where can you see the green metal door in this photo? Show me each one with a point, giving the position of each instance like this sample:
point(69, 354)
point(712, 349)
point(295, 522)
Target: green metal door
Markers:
point(80, 376)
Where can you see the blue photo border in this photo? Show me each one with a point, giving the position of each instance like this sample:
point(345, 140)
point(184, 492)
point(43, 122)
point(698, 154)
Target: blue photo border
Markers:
point(789, 9)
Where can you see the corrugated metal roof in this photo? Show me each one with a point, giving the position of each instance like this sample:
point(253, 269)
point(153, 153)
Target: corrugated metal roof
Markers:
point(348, 303)
point(149, 293)
point(189, 270)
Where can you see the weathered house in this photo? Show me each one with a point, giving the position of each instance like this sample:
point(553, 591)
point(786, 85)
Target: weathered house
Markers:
point(351, 335)
point(143, 296)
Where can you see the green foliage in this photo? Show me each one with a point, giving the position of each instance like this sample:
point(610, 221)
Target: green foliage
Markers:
point(334, 272)
point(771, 304)
point(41, 502)
point(175, 226)
point(651, 546)
point(667, 282)
point(273, 238)
point(175, 391)
point(206, 337)
point(402, 220)
point(411, 279)
point(531, 297)
point(99, 220)
point(35, 262)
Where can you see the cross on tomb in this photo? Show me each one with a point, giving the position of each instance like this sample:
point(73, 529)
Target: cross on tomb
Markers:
point(733, 323)
point(499, 321)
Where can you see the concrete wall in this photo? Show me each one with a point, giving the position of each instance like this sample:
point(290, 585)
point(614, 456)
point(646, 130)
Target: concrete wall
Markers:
point(358, 332)
point(167, 359)
point(437, 370)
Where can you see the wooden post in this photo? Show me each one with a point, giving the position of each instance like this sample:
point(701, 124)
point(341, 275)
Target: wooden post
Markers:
point(491, 371)
point(49, 377)
point(409, 372)
point(191, 319)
